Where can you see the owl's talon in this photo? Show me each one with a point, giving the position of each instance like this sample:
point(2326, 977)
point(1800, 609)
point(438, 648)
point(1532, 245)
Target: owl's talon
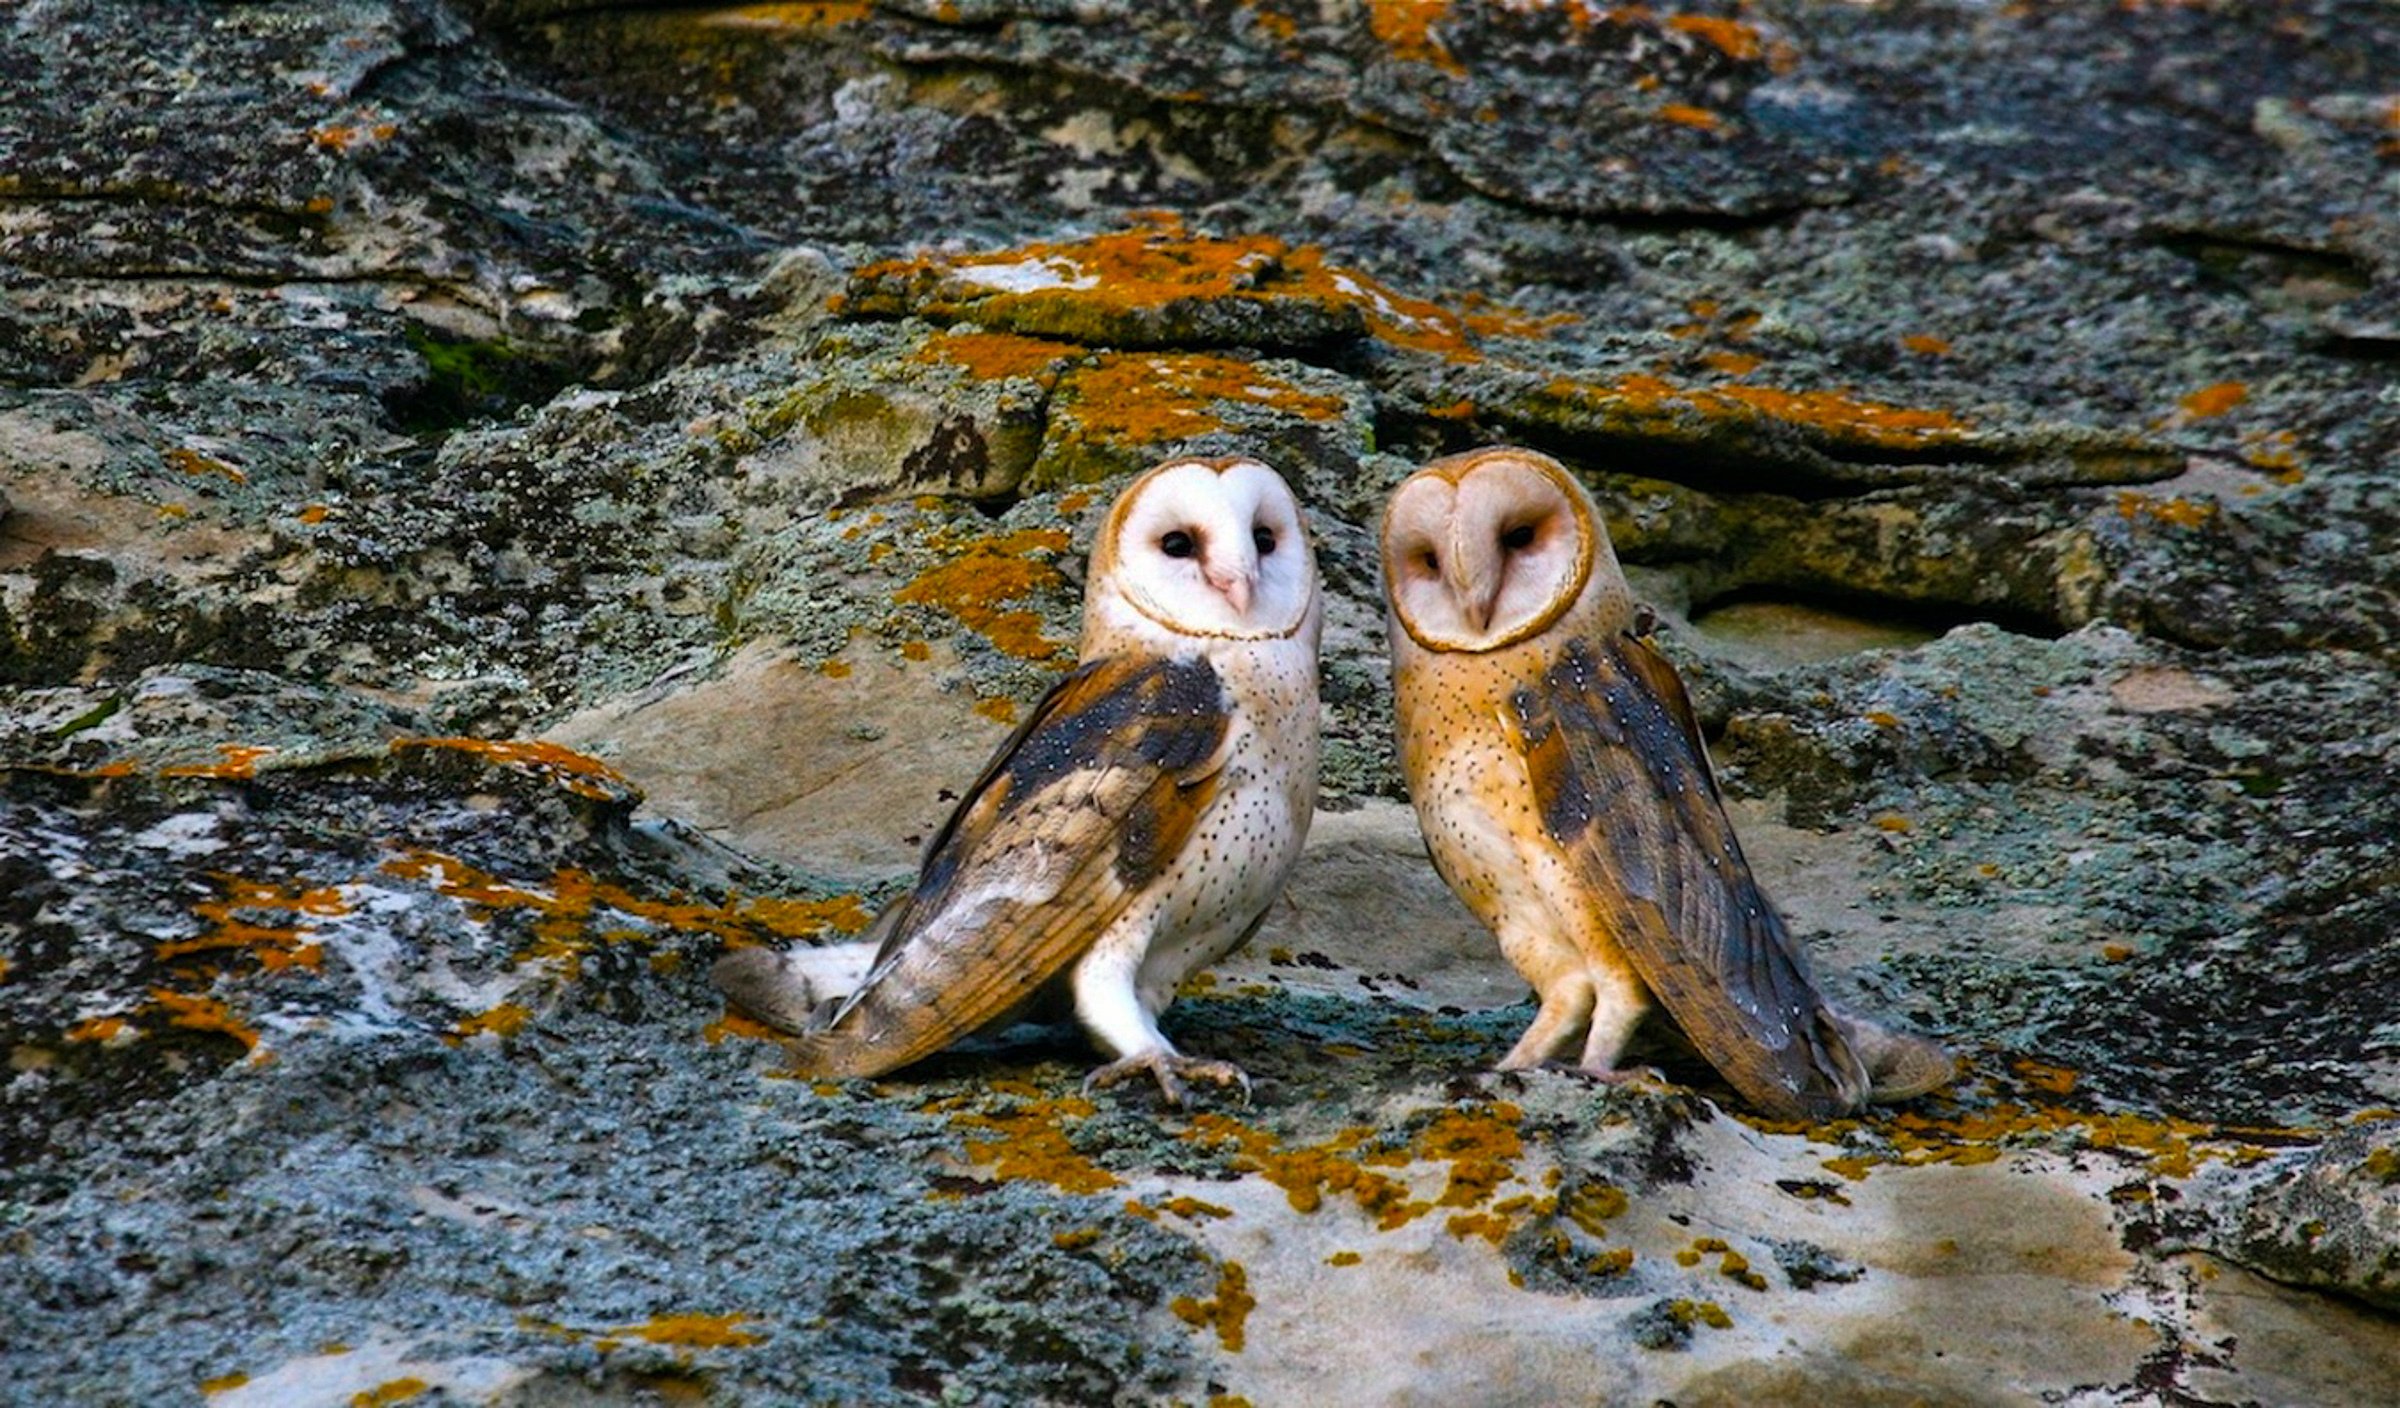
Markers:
point(1170, 1071)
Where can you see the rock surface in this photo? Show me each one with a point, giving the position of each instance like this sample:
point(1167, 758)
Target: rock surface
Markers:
point(500, 500)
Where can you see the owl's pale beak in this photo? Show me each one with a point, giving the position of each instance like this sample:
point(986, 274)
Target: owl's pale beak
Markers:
point(1474, 583)
point(1235, 584)
point(1474, 600)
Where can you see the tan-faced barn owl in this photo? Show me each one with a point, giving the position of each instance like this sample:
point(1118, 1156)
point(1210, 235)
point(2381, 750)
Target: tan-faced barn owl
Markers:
point(1565, 794)
point(1134, 829)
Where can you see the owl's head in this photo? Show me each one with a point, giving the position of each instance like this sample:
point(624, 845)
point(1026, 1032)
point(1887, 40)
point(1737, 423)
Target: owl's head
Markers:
point(1491, 547)
point(1203, 547)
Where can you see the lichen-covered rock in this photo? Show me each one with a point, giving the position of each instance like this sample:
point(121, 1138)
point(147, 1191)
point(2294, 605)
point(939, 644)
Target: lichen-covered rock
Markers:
point(2327, 1217)
point(427, 428)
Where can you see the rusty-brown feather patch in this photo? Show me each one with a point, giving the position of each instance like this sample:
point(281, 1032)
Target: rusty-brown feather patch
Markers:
point(1112, 770)
point(1621, 774)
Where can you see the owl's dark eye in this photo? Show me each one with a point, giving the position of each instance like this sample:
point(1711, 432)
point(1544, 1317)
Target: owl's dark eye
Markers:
point(1264, 537)
point(1518, 539)
point(1431, 564)
point(1178, 544)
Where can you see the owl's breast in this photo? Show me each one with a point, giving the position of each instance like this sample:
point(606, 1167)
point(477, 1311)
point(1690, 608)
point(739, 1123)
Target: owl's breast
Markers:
point(1245, 845)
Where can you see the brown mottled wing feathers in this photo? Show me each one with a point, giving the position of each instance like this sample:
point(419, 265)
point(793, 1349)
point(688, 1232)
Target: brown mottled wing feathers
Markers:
point(1077, 814)
point(1622, 777)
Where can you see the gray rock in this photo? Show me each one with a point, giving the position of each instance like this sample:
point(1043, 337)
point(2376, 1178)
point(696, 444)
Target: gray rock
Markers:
point(500, 501)
point(2327, 1217)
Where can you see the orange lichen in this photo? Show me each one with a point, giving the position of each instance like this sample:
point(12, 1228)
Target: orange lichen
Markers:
point(1107, 287)
point(236, 762)
point(1487, 318)
point(193, 462)
point(1273, 24)
point(818, 14)
point(1405, 27)
point(696, 1331)
point(1733, 1266)
point(1832, 410)
point(569, 911)
point(2171, 1148)
point(804, 919)
point(999, 708)
point(223, 1382)
point(735, 1024)
point(834, 669)
point(1140, 398)
point(1191, 1209)
point(2214, 400)
point(1344, 1259)
point(581, 775)
point(1591, 1206)
point(1926, 344)
point(982, 575)
point(276, 947)
point(1732, 363)
point(1737, 41)
point(1687, 115)
point(1403, 320)
point(1226, 1312)
point(990, 356)
point(1478, 1142)
point(2176, 512)
point(314, 513)
point(504, 1020)
point(2050, 1080)
point(198, 1013)
point(100, 1030)
point(2275, 452)
point(915, 650)
point(1895, 823)
point(1652, 405)
point(390, 1391)
point(1027, 1142)
point(342, 137)
point(1306, 1174)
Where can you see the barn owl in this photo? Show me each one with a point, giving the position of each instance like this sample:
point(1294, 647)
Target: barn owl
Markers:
point(1134, 829)
point(1565, 794)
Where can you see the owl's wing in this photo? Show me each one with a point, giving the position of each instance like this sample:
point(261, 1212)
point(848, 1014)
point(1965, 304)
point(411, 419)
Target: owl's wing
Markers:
point(1623, 781)
point(1078, 813)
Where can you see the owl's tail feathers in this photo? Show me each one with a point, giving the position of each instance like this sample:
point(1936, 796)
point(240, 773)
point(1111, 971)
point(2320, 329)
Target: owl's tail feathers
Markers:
point(1900, 1065)
point(795, 990)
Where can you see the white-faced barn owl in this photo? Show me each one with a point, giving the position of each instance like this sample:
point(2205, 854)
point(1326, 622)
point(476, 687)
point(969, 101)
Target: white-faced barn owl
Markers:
point(1134, 829)
point(1565, 795)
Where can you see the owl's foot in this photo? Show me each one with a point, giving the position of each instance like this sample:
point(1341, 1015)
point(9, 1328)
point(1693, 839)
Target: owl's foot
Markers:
point(1170, 1070)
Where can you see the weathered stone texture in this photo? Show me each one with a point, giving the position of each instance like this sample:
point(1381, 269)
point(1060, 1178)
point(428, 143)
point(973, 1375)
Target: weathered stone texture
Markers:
point(1995, 403)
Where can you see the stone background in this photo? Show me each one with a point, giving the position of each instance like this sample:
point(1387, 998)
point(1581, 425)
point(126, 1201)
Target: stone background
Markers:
point(499, 501)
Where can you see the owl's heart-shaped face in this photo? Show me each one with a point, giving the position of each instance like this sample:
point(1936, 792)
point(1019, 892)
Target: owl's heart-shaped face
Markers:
point(1212, 548)
point(1484, 550)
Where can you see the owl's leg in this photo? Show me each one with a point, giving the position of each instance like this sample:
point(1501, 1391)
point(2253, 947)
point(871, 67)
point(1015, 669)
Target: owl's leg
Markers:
point(1108, 1003)
point(1619, 1000)
point(1566, 1006)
